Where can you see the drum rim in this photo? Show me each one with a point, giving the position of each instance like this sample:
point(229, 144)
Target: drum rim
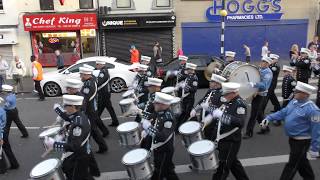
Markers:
point(129, 130)
point(206, 153)
point(179, 129)
point(49, 172)
point(123, 95)
point(242, 64)
point(127, 99)
point(169, 87)
point(139, 162)
point(57, 127)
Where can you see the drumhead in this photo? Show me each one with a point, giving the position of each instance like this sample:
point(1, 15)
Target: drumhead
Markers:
point(135, 156)
point(126, 101)
point(44, 168)
point(168, 90)
point(175, 100)
point(127, 126)
point(201, 147)
point(49, 132)
point(128, 93)
point(189, 127)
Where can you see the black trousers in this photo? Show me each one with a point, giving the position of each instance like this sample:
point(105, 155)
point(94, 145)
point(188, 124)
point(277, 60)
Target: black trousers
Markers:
point(13, 115)
point(285, 103)
point(186, 107)
point(105, 102)
point(77, 168)
point(318, 96)
point(38, 88)
point(274, 100)
point(257, 112)
point(93, 166)
point(95, 133)
point(163, 165)
point(228, 160)
point(298, 161)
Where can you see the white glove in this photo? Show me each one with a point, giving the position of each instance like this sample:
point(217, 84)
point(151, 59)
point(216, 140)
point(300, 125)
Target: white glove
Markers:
point(193, 113)
point(252, 84)
point(144, 134)
point(207, 120)
point(1, 100)
point(217, 113)
point(314, 154)
point(183, 85)
point(48, 141)
point(59, 137)
point(264, 123)
point(56, 105)
point(145, 124)
point(58, 120)
point(205, 106)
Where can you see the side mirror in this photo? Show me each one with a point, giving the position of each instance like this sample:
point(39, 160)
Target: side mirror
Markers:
point(67, 72)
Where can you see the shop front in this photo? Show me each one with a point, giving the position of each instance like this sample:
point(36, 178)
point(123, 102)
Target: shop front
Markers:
point(119, 32)
point(74, 35)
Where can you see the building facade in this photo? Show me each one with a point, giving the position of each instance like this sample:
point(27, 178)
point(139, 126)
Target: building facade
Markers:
point(280, 22)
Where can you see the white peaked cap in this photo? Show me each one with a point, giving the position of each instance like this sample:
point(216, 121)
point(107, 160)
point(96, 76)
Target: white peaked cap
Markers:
point(84, 70)
point(7, 88)
point(145, 58)
point(218, 78)
point(100, 61)
point(73, 83)
point(72, 100)
point(230, 54)
point(143, 67)
point(163, 98)
point(286, 68)
point(266, 59)
point(305, 50)
point(229, 87)
point(305, 88)
point(88, 66)
point(191, 66)
point(183, 58)
point(274, 56)
point(154, 82)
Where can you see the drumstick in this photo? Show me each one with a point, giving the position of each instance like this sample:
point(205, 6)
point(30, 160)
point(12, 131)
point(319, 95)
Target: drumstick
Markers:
point(46, 152)
point(247, 76)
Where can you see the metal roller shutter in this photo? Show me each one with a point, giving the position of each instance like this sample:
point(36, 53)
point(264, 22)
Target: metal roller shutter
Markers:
point(6, 52)
point(118, 42)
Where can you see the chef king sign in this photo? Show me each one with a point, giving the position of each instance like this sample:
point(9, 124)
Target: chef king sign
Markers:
point(49, 22)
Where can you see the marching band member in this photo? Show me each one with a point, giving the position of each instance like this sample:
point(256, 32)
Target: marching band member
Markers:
point(179, 73)
point(257, 110)
point(89, 92)
point(303, 66)
point(140, 89)
point(146, 61)
point(230, 57)
point(104, 93)
point(76, 146)
point(232, 115)
point(302, 125)
point(162, 133)
point(316, 70)
point(288, 84)
point(275, 68)
point(211, 100)
point(187, 89)
point(154, 85)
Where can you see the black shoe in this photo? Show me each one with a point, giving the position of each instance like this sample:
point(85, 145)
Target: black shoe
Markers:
point(24, 136)
point(114, 124)
point(264, 131)
point(14, 167)
point(248, 135)
point(41, 99)
point(102, 151)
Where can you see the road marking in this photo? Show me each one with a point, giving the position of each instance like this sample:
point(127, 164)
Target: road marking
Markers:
point(258, 161)
point(26, 128)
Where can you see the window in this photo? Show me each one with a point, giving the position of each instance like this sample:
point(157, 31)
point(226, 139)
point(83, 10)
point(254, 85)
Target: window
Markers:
point(123, 3)
point(46, 5)
point(109, 66)
point(75, 68)
point(1, 5)
point(86, 4)
point(163, 3)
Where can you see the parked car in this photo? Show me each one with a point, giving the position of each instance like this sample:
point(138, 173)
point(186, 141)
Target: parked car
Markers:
point(53, 83)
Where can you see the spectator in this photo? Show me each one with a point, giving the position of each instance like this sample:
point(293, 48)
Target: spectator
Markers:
point(180, 52)
point(313, 52)
point(294, 52)
point(315, 42)
point(3, 68)
point(17, 71)
point(37, 76)
point(135, 54)
point(265, 49)
point(60, 60)
point(157, 56)
point(247, 52)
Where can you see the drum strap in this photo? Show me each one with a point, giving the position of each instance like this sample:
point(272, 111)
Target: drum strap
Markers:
point(155, 146)
point(95, 84)
point(67, 154)
point(183, 93)
point(103, 85)
point(224, 135)
point(207, 100)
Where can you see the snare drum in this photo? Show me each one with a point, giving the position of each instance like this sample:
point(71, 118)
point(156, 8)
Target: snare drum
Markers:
point(169, 90)
point(242, 73)
point(202, 155)
point(129, 133)
point(176, 106)
point(126, 104)
point(191, 132)
point(48, 169)
point(129, 94)
point(52, 132)
point(137, 163)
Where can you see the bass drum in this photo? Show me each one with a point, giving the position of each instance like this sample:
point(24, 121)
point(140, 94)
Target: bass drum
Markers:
point(242, 73)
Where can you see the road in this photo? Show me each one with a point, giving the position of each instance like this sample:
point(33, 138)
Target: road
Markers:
point(263, 156)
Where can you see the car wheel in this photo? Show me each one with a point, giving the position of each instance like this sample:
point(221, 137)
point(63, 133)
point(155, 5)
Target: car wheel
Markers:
point(117, 85)
point(51, 89)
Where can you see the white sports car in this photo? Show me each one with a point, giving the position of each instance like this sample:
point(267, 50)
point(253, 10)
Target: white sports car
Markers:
point(53, 83)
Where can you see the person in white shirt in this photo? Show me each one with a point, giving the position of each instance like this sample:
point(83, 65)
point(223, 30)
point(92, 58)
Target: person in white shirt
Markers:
point(17, 71)
point(3, 68)
point(265, 49)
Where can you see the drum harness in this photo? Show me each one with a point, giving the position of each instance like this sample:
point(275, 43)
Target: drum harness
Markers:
point(207, 101)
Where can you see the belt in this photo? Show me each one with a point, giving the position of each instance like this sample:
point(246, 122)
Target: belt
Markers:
point(301, 137)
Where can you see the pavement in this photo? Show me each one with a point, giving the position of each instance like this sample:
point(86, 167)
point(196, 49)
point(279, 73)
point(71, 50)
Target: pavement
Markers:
point(263, 156)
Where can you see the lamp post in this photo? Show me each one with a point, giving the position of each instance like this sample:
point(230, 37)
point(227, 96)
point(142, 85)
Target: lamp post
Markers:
point(223, 14)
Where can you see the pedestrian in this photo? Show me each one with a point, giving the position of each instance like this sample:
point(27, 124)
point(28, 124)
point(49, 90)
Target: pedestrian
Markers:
point(37, 76)
point(303, 66)
point(187, 89)
point(17, 71)
point(157, 56)
point(135, 54)
point(288, 84)
point(162, 134)
point(146, 61)
point(3, 70)
point(247, 52)
point(315, 42)
point(302, 125)
point(260, 97)
point(294, 54)
point(60, 60)
point(12, 111)
point(89, 91)
point(75, 145)
point(211, 100)
point(104, 95)
point(231, 115)
point(265, 49)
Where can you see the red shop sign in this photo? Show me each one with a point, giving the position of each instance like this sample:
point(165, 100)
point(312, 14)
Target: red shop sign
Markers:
point(49, 22)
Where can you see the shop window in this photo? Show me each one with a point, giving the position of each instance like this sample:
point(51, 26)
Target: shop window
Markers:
point(86, 4)
point(88, 42)
point(123, 4)
point(162, 4)
point(1, 5)
point(46, 5)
